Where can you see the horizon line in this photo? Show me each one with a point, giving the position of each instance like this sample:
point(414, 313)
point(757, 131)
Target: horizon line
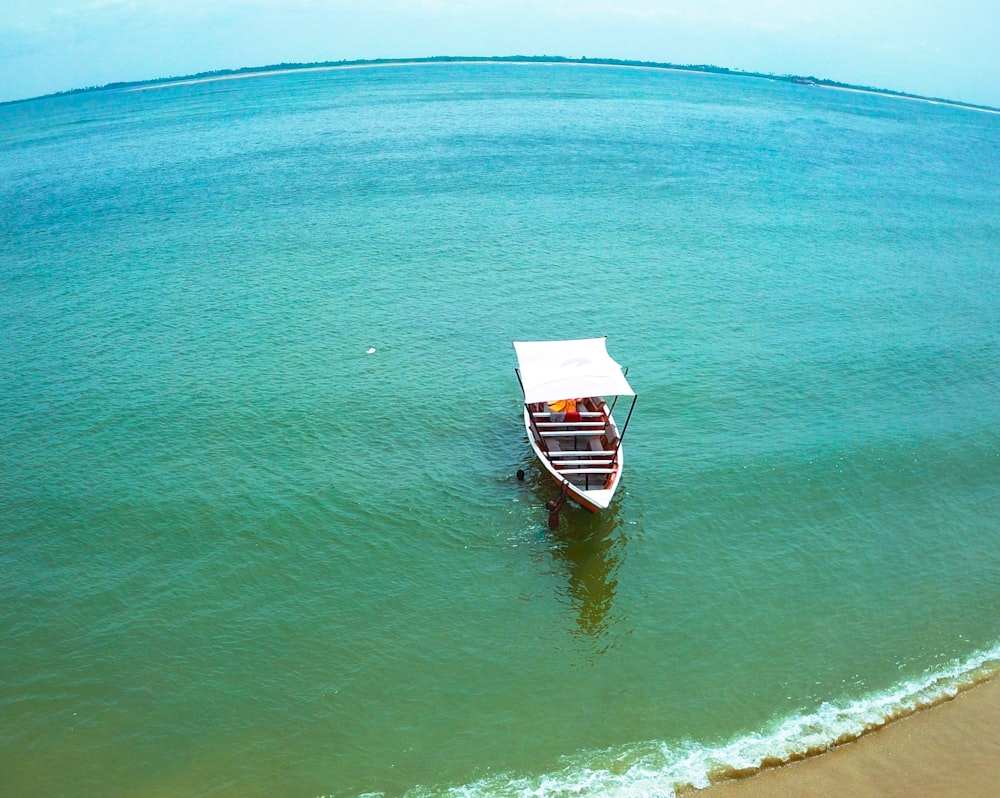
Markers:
point(295, 66)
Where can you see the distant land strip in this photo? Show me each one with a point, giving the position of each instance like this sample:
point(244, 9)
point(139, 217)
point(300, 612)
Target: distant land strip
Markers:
point(527, 59)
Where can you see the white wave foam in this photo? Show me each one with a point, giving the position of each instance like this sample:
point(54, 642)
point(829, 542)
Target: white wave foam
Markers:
point(658, 769)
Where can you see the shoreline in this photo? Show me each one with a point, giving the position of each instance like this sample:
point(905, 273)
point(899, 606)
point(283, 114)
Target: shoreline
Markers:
point(931, 100)
point(281, 69)
point(593, 62)
point(949, 748)
point(372, 65)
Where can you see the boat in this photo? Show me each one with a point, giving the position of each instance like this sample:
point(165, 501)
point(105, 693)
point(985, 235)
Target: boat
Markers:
point(570, 426)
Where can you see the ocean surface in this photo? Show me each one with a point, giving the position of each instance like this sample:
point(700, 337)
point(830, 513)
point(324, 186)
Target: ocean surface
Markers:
point(241, 555)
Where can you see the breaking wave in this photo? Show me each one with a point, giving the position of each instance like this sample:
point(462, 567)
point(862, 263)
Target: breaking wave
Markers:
point(661, 769)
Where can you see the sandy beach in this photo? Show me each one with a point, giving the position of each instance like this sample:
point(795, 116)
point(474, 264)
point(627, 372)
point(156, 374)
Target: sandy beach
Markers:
point(951, 749)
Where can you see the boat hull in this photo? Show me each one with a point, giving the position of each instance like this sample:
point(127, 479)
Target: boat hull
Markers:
point(568, 452)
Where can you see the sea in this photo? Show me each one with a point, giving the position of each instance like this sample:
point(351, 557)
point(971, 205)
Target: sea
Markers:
point(261, 532)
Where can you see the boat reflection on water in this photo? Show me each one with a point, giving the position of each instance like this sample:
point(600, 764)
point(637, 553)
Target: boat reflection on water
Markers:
point(591, 551)
point(587, 550)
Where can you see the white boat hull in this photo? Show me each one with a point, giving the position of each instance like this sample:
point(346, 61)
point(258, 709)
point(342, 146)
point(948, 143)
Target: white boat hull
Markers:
point(585, 458)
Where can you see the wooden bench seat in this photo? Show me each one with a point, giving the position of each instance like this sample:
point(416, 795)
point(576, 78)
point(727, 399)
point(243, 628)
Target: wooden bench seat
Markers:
point(582, 452)
point(564, 424)
point(588, 463)
point(566, 433)
point(582, 414)
point(587, 471)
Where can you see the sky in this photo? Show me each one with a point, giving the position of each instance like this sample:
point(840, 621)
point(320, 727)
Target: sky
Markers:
point(936, 48)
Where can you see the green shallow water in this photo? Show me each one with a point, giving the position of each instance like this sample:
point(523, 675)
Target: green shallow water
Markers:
point(241, 556)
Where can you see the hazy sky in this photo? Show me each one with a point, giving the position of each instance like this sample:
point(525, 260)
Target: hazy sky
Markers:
point(942, 48)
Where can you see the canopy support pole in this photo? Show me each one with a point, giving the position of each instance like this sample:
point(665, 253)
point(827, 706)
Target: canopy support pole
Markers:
point(621, 435)
point(531, 417)
point(615, 400)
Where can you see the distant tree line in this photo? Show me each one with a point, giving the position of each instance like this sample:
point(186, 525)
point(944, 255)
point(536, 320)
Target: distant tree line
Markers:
point(541, 59)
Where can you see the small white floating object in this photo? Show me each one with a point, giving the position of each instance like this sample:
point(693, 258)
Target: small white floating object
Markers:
point(371, 351)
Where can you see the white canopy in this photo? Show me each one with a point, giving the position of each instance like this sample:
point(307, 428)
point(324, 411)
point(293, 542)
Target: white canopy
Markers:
point(552, 370)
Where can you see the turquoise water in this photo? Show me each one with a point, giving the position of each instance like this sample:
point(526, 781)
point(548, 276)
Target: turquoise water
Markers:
point(243, 556)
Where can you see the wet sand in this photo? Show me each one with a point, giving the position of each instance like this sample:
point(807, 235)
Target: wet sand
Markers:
point(951, 749)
